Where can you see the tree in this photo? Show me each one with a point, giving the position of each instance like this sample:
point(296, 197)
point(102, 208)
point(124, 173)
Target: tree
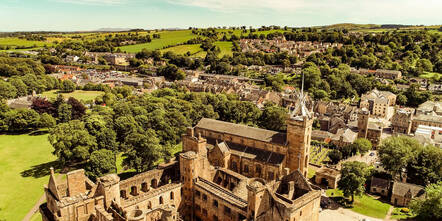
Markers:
point(22, 89)
point(312, 76)
point(142, 150)
point(7, 90)
point(64, 112)
point(353, 177)
point(396, 152)
point(72, 142)
point(100, 163)
point(273, 117)
point(426, 165)
point(424, 65)
point(335, 156)
point(21, 120)
point(171, 72)
point(362, 145)
point(401, 99)
point(68, 86)
point(77, 108)
point(42, 105)
point(429, 208)
point(46, 121)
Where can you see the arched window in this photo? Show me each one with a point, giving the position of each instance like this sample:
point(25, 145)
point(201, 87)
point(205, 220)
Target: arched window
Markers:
point(153, 183)
point(133, 190)
point(144, 187)
point(149, 205)
point(161, 200)
point(171, 195)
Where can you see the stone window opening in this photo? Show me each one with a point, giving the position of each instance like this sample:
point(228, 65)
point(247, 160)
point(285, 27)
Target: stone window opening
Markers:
point(153, 183)
point(161, 200)
point(215, 203)
point(144, 187)
point(149, 205)
point(123, 194)
point(204, 197)
point(227, 210)
point(197, 194)
point(171, 195)
point(133, 191)
point(246, 168)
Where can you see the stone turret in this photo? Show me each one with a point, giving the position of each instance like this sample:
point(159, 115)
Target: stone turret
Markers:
point(256, 190)
point(299, 128)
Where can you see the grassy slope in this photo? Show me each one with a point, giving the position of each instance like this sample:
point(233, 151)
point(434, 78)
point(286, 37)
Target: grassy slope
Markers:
point(182, 49)
point(78, 94)
point(30, 155)
point(167, 38)
point(365, 204)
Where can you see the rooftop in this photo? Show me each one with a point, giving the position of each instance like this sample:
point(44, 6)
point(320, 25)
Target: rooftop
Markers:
point(242, 131)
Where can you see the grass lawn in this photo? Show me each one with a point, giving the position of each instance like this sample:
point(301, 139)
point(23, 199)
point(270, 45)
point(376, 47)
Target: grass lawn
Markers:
point(167, 38)
point(365, 204)
point(78, 94)
point(24, 169)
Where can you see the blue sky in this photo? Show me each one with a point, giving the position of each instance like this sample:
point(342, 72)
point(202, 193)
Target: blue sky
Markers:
point(84, 15)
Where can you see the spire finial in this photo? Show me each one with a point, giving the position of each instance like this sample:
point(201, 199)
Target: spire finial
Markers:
point(302, 84)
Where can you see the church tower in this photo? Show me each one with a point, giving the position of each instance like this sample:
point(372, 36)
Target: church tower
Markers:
point(299, 129)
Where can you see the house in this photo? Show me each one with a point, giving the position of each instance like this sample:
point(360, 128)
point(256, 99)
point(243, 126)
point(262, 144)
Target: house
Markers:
point(379, 186)
point(403, 193)
point(402, 120)
point(379, 103)
point(328, 177)
point(344, 137)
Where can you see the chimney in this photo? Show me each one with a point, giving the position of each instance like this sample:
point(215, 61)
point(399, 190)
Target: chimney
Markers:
point(190, 132)
point(76, 182)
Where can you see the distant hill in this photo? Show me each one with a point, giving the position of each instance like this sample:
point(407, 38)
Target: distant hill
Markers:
point(349, 26)
point(112, 29)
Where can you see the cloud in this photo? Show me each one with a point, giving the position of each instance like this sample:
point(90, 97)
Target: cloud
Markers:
point(95, 2)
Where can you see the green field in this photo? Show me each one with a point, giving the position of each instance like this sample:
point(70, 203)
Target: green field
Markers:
point(24, 169)
point(226, 48)
point(167, 38)
point(364, 204)
point(196, 51)
point(22, 42)
point(183, 49)
point(78, 94)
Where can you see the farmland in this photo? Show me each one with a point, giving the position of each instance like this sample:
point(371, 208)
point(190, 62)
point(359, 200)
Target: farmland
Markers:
point(168, 38)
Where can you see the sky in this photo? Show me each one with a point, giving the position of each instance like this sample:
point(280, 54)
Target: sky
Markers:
point(89, 15)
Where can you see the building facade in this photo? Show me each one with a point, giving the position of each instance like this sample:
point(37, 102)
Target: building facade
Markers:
point(226, 171)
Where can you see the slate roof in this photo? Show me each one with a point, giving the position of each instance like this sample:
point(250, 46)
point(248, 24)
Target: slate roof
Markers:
point(379, 183)
point(255, 153)
point(401, 189)
point(242, 131)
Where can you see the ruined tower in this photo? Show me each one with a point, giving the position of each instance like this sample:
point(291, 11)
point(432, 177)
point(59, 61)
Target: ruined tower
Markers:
point(299, 129)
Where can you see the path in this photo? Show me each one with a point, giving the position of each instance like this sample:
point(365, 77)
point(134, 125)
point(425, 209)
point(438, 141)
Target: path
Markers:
point(388, 216)
point(37, 205)
point(343, 215)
